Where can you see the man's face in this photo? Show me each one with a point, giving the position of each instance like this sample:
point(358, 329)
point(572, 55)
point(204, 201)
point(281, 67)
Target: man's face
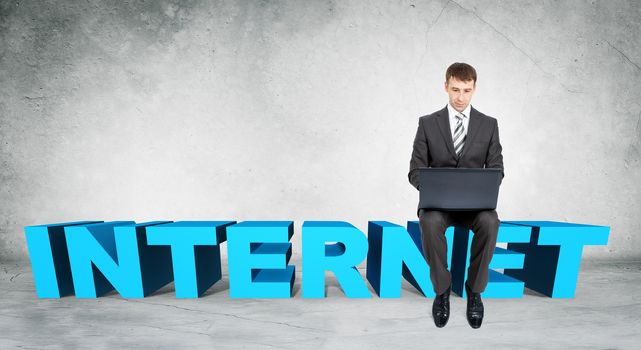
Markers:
point(460, 92)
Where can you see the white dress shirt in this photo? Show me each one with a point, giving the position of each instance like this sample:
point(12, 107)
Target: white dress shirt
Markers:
point(453, 121)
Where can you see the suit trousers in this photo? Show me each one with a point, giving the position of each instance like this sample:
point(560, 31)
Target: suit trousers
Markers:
point(484, 224)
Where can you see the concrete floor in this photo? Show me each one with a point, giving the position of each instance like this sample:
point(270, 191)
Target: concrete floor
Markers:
point(605, 314)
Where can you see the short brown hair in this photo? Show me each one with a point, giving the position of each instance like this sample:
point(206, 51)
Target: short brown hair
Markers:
point(460, 71)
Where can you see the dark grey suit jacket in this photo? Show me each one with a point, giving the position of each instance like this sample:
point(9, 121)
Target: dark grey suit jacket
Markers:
point(433, 145)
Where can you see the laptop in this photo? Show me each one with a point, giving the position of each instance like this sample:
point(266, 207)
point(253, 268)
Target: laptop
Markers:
point(459, 189)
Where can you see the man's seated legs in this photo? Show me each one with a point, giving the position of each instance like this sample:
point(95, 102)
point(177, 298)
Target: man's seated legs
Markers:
point(485, 225)
point(433, 225)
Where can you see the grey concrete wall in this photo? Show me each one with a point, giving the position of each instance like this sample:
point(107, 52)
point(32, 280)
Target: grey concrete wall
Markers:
point(306, 110)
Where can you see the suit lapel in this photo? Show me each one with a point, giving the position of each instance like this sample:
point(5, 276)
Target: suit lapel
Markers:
point(443, 121)
point(473, 127)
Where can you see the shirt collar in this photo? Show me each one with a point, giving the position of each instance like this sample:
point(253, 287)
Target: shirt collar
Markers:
point(452, 112)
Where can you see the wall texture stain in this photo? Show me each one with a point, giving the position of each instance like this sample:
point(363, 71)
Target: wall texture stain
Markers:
point(306, 110)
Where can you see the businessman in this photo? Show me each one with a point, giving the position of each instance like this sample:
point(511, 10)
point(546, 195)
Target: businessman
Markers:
point(457, 136)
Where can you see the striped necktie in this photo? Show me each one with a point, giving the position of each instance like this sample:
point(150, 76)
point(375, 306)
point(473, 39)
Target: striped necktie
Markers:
point(459, 135)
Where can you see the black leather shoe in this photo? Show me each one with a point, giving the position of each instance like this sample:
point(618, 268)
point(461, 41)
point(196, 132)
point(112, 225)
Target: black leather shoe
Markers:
point(474, 308)
point(441, 308)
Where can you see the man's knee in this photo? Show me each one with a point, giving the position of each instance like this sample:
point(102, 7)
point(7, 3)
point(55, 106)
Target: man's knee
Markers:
point(432, 219)
point(488, 219)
